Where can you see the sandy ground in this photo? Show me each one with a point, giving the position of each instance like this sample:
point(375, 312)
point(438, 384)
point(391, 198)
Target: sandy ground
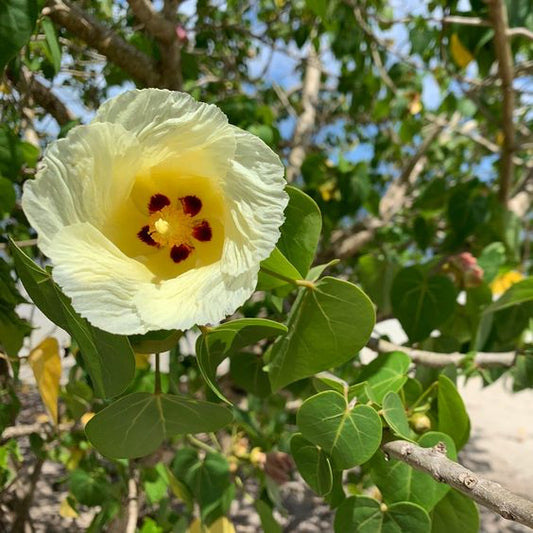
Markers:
point(500, 449)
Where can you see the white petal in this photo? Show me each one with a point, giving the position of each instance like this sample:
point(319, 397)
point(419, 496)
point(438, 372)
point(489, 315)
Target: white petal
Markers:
point(192, 137)
point(101, 281)
point(199, 296)
point(81, 179)
point(254, 190)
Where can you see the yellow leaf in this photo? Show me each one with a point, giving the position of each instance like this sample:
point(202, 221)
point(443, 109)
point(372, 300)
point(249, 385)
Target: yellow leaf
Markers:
point(416, 105)
point(142, 360)
point(503, 281)
point(45, 362)
point(86, 417)
point(499, 138)
point(222, 525)
point(460, 54)
point(66, 510)
point(279, 3)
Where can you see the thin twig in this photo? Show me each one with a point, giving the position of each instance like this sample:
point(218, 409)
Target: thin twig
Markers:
point(133, 504)
point(433, 461)
point(96, 34)
point(498, 14)
point(305, 124)
point(440, 360)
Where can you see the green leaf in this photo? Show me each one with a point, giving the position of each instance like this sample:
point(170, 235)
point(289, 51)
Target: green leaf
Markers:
point(453, 418)
point(386, 373)
point(491, 259)
point(228, 338)
point(518, 293)
point(327, 326)
point(17, 20)
point(349, 435)
point(155, 341)
point(421, 302)
point(268, 522)
point(313, 464)
point(364, 515)
point(398, 482)
point(301, 230)
point(8, 197)
point(109, 358)
point(394, 414)
point(318, 7)
point(455, 512)
point(53, 49)
point(376, 276)
point(247, 372)
point(278, 264)
point(89, 488)
point(135, 425)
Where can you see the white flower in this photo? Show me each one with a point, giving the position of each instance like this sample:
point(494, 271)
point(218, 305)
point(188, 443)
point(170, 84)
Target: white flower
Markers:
point(157, 214)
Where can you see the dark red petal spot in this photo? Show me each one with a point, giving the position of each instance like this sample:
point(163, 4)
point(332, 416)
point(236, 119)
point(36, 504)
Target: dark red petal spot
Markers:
point(145, 236)
point(191, 205)
point(180, 253)
point(202, 232)
point(157, 202)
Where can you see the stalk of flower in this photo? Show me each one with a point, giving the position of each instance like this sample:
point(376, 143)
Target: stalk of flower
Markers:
point(158, 213)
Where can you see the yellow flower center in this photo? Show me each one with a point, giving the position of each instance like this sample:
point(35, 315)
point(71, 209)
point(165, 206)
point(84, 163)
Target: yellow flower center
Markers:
point(170, 223)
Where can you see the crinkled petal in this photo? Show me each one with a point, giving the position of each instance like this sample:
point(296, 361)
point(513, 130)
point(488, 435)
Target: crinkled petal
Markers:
point(199, 296)
point(256, 200)
point(101, 281)
point(81, 179)
point(192, 137)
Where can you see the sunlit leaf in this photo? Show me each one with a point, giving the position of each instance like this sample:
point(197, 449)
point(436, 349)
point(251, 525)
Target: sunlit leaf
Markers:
point(45, 362)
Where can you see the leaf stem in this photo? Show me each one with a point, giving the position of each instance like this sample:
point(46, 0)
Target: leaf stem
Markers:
point(204, 446)
point(423, 396)
point(157, 388)
point(298, 282)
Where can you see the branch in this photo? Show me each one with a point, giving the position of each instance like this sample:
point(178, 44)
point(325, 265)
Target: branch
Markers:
point(306, 121)
point(133, 505)
point(498, 14)
point(523, 32)
point(433, 461)
point(130, 59)
point(164, 31)
point(440, 360)
point(43, 96)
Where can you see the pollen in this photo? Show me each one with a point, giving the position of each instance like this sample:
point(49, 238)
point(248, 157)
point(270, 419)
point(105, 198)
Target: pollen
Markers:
point(174, 225)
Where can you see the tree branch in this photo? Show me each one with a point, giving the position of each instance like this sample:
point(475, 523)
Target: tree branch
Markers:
point(43, 96)
point(133, 504)
point(139, 65)
point(433, 461)
point(306, 121)
point(440, 360)
point(498, 14)
point(164, 31)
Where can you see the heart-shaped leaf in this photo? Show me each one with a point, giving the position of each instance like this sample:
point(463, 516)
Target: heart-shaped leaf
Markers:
point(421, 301)
point(349, 435)
point(327, 326)
point(386, 373)
point(365, 515)
point(226, 339)
point(136, 425)
point(313, 464)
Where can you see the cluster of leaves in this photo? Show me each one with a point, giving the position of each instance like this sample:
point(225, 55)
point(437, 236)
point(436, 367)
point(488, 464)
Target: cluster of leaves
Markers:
point(297, 341)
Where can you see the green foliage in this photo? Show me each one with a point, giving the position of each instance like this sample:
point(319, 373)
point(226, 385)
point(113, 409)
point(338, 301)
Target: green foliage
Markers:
point(350, 435)
point(333, 313)
point(136, 424)
point(17, 19)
